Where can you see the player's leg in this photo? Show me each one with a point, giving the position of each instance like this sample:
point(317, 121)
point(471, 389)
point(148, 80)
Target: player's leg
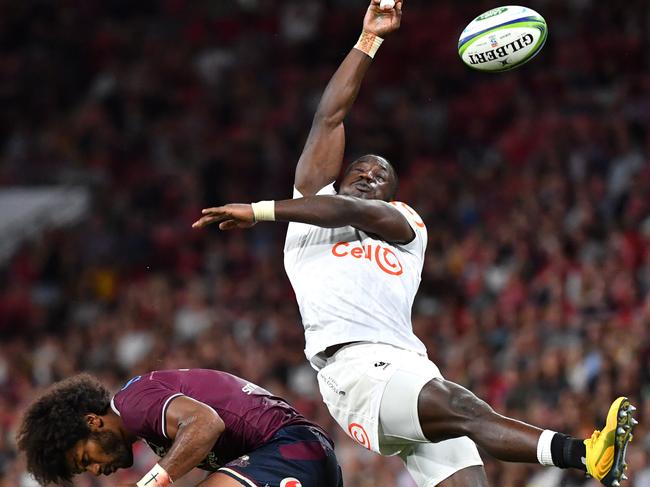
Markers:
point(447, 413)
point(447, 410)
point(451, 462)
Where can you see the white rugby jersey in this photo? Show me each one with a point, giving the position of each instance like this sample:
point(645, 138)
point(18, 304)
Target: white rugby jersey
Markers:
point(353, 287)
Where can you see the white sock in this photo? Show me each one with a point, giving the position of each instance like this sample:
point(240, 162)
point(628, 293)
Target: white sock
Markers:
point(544, 448)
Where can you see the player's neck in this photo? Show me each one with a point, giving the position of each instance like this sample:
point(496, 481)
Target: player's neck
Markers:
point(115, 422)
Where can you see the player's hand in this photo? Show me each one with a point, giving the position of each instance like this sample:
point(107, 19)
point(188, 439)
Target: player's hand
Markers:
point(228, 217)
point(382, 22)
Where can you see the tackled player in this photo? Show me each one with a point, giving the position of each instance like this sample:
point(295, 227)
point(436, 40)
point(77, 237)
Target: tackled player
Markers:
point(190, 417)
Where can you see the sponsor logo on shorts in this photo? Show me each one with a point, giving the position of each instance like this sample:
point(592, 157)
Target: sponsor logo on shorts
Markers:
point(331, 383)
point(358, 434)
point(242, 462)
point(290, 482)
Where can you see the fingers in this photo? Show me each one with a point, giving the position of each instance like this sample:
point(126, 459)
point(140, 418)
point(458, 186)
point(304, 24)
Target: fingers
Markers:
point(228, 225)
point(210, 215)
point(217, 209)
point(204, 221)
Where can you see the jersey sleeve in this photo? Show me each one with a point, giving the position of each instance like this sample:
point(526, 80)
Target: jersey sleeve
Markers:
point(142, 404)
point(327, 190)
point(419, 243)
point(296, 230)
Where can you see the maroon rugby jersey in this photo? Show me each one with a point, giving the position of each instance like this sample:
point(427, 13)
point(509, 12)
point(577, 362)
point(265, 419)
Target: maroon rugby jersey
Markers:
point(251, 414)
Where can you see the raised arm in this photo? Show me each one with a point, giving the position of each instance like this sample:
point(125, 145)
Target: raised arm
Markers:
point(322, 156)
point(375, 217)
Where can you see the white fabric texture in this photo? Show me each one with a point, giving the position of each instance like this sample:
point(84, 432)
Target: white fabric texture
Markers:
point(353, 287)
point(431, 463)
point(544, 456)
point(361, 380)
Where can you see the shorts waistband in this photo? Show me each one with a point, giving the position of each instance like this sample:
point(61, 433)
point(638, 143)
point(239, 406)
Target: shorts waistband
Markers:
point(349, 348)
point(320, 360)
point(332, 350)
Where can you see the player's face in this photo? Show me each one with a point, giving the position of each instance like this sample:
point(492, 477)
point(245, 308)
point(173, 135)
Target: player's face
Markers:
point(100, 454)
point(368, 178)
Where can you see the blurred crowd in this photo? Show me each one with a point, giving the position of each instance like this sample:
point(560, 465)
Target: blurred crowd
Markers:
point(534, 185)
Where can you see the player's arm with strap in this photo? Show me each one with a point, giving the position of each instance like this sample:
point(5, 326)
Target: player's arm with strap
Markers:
point(322, 156)
point(194, 428)
point(329, 211)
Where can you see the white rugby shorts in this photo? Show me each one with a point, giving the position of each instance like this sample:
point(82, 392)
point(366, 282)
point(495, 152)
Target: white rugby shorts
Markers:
point(372, 390)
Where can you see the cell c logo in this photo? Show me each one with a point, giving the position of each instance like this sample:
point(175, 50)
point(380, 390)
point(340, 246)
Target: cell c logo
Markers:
point(290, 482)
point(384, 257)
point(388, 261)
point(359, 435)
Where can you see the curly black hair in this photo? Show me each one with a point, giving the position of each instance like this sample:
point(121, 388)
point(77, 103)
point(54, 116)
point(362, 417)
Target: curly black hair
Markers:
point(55, 421)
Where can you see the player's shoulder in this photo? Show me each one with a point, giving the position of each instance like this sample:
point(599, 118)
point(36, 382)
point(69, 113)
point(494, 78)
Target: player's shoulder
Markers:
point(131, 385)
point(409, 213)
point(144, 383)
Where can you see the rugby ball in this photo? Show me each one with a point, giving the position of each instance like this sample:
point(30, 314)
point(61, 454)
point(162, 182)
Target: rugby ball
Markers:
point(502, 38)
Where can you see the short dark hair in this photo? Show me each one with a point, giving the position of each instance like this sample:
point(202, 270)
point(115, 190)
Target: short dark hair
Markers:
point(55, 422)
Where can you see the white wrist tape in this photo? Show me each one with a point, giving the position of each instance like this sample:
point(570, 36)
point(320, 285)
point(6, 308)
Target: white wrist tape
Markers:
point(544, 448)
point(156, 477)
point(264, 211)
point(368, 43)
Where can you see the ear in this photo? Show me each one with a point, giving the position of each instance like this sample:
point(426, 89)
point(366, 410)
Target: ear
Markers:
point(94, 421)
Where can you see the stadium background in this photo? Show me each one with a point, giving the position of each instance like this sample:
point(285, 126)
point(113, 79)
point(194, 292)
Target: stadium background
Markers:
point(120, 120)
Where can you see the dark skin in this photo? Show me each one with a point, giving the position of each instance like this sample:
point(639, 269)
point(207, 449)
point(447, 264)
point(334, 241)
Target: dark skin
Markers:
point(193, 427)
point(373, 216)
point(366, 185)
point(446, 410)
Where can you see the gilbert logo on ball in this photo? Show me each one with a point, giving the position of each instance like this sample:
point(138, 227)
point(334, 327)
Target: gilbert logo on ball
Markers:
point(502, 38)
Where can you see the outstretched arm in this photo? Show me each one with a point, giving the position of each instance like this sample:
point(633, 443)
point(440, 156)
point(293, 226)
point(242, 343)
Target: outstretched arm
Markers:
point(375, 217)
point(322, 156)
